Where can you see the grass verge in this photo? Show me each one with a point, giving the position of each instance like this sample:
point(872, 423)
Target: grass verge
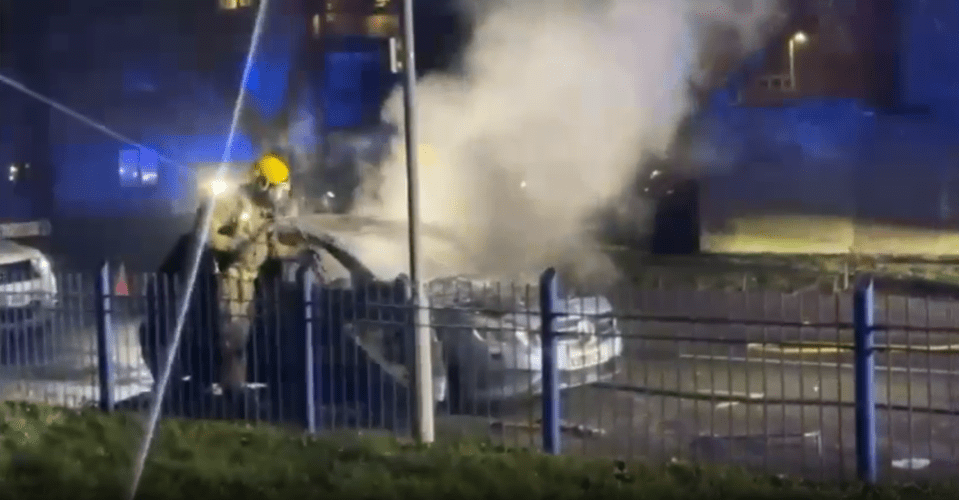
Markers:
point(54, 453)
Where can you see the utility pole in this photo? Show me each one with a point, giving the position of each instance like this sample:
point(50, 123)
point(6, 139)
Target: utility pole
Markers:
point(797, 39)
point(321, 33)
point(382, 18)
point(422, 383)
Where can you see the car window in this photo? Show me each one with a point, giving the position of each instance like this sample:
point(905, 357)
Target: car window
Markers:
point(333, 268)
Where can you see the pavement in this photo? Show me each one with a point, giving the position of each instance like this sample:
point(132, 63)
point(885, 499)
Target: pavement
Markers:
point(61, 367)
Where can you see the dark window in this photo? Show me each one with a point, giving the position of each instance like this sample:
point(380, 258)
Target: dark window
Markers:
point(138, 167)
point(18, 173)
point(5, 26)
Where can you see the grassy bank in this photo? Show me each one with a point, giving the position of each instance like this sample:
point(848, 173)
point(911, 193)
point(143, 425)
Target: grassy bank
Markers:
point(52, 453)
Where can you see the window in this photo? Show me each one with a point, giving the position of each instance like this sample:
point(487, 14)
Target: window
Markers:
point(129, 173)
point(5, 27)
point(776, 82)
point(138, 167)
point(149, 161)
point(234, 4)
point(377, 18)
point(18, 173)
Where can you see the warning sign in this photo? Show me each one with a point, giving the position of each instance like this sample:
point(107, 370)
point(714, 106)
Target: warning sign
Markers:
point(122, 287)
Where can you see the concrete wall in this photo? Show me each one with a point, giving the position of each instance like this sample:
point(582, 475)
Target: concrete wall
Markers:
point(929, 55)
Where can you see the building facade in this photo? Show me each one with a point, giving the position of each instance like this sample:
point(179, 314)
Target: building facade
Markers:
point(845, 139)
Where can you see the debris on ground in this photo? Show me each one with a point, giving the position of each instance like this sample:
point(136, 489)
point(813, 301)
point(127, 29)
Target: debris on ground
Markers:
point(911, 463)
point(582, 431)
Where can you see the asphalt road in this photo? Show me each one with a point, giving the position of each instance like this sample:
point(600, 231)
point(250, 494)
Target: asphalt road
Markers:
point(734, 394)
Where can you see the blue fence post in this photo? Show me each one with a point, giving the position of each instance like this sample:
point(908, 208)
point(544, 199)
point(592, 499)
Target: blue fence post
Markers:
point(104, 312)
point(865, 369)
point(308, 287)
point(548, 296)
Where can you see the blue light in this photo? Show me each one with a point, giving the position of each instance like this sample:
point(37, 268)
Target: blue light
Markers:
point(129, 167)
point(149, 161)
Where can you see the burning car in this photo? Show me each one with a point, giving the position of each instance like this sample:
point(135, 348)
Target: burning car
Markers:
point(492, 339)
point(489, 334)
point(486, 344)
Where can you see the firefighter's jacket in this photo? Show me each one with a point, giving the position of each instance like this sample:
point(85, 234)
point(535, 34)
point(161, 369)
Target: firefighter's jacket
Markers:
point(243, 232)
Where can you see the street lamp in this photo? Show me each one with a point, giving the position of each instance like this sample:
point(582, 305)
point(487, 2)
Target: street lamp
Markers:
point(797, 39)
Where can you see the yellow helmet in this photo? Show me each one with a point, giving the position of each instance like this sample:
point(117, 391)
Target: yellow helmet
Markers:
point(272, 169)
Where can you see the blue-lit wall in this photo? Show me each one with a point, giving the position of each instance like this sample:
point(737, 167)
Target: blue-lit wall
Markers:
point(22, 131)
point(779, 160)
point(91, 54)
point(14, 204)
point(930, 55)
point(134, 72)
point(844, 159)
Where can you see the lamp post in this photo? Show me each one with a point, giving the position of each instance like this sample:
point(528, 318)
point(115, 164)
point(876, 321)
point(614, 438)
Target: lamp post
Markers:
point(797, 39)
point(422, 380)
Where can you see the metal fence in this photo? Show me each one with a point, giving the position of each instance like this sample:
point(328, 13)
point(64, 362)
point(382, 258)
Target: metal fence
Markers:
point(828, 386)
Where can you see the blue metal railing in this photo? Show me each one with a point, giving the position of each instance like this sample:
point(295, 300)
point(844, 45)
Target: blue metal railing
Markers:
point(315, 364)
point(863, 349)
point(865, 364)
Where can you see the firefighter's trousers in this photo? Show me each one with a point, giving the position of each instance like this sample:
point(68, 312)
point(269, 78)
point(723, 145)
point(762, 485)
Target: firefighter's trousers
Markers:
point(237, 291)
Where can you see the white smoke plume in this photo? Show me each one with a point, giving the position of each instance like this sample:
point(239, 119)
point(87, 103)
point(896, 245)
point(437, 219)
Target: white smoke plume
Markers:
point(558, 103)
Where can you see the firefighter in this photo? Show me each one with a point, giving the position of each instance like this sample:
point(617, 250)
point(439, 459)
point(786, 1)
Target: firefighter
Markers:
point(242, 237)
